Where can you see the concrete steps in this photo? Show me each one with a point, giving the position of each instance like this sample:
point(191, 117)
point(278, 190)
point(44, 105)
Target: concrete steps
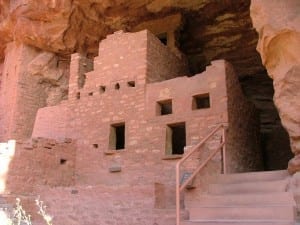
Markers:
point(256, 198)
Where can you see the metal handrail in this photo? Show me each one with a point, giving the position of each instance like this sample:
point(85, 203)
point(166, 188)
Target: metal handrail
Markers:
point(179, 187)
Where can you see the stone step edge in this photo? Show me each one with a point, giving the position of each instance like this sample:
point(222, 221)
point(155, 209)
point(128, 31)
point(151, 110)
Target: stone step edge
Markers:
point(240, 220)
point(242, 206)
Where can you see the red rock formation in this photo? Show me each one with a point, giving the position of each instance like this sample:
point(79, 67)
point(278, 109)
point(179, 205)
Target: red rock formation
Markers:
point(278, 25)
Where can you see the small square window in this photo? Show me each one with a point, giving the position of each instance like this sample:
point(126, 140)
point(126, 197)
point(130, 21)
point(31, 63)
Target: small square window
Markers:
point(164, 107)
point(117, 86)
point(201, 101)
point(131, 84)
point(102, 89)
point(91, 94)
point(62, 161)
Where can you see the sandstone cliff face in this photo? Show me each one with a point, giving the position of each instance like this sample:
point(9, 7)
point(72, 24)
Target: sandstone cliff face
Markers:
point(278, 25)
point(66, 25)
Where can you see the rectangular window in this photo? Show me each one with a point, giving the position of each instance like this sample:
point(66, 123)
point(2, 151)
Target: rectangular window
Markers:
point(175, 139)
point(117, 136)
point(78, 95)
point(201, 101)
point(164, 107)
point(131, 83)
point(102, 89)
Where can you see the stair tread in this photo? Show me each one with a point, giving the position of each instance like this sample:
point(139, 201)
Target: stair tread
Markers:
point(238, 222)
point(244, 199)
point(249, 187)
point(241, 206)
point(252, 176)
point(258, 198)
point(280, 212)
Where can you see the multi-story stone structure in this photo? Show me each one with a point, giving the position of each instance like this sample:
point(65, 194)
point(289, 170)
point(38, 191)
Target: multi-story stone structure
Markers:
point(129, 115)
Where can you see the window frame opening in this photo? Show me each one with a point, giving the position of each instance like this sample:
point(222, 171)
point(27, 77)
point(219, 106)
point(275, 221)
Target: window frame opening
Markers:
point(201, 101)
point(131, 83)
point(117, 136)
point(173, 133)
point(62, 161)
point(117, 86)
point(164, 107)
point(102, 89)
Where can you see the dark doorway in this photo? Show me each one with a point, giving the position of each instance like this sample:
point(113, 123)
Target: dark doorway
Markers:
point(176, 138)
point(117, 136)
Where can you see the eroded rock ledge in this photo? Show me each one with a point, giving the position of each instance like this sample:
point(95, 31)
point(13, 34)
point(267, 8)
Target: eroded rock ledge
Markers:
point(278, 25)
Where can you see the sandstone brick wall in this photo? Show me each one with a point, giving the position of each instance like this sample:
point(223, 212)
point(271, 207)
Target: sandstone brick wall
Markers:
point(18, 96)
point(53, 122)
point(169, 26)
point(89, 118)
point(122, 56)
point(8, 92)
point(38, 162)
point(243, 137)
point(138, 57)
point(102, 205)
point(79, 66)
point(141, 162)
point(161, 63)
point(107, 180)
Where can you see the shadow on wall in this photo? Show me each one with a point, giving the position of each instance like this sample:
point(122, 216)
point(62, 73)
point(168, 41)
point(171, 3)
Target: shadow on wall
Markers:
point(276, 149)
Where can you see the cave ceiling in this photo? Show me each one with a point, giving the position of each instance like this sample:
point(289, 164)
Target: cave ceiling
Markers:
point(210, 30)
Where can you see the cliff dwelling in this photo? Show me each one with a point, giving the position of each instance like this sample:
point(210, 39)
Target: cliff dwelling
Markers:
point(150, 112)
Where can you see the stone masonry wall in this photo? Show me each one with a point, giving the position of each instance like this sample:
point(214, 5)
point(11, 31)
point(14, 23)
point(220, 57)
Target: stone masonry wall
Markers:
point(79, 66)
point(104, 177)
point(144, 157)
point(89, 118)
point(8, 91)
point(122, 56)
point(36, 162)
point(161, 65)
point(243, 137)
point(18, 99)
point(138, 57)
point(29, 166)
